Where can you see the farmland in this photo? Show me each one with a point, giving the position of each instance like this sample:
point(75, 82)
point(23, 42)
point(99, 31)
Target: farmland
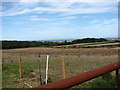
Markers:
point(44, 42)
point(88, 45)
point(78, 42)
point(77, 60)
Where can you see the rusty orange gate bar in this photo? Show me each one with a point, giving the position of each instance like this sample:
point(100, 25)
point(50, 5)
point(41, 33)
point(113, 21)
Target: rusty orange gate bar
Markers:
point(72, 81)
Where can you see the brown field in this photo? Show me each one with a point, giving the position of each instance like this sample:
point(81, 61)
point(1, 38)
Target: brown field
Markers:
point(61, 51)
point(89, 44)
point(76, 61)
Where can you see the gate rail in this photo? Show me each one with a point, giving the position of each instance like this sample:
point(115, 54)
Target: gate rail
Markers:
point(83, 77)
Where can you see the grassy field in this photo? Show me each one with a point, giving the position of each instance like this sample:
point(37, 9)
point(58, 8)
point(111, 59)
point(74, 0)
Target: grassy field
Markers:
point(76, 60)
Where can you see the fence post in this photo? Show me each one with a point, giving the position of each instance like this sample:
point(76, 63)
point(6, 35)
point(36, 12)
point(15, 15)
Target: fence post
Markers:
point(83, 77)
point(63, 67)
point(39, 66)
point(47, 69)
point(20, 68)
point(117, 79)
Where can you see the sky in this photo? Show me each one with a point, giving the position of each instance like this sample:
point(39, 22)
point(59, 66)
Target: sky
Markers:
point(58, 19)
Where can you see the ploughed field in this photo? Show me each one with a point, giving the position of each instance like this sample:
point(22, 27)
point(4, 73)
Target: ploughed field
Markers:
point(77, 60)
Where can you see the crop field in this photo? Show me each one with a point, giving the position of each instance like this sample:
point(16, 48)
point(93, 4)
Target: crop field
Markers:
point(77, 61)
point(82, 45)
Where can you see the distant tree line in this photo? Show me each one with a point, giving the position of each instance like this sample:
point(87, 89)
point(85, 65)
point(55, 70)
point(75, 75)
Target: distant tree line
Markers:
point(89, 40)
point(25, 44)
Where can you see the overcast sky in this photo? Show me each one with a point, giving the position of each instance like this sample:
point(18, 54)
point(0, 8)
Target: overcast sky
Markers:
point(55, 19)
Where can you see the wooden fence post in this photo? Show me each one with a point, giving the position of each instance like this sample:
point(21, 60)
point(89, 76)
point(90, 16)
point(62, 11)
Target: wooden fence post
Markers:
point(20, 68)
point(63, 67)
